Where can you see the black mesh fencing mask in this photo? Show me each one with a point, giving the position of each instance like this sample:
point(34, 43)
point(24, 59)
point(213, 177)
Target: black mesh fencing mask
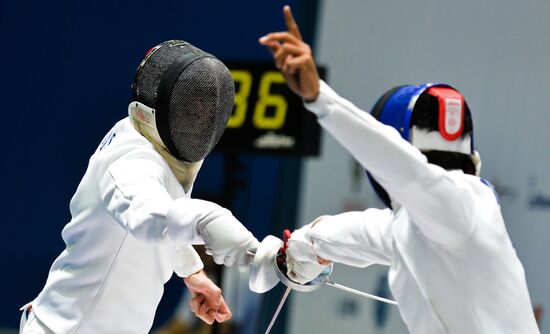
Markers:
point(191, 93)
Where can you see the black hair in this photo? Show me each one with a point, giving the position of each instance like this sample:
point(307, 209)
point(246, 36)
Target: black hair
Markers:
point(451, 160)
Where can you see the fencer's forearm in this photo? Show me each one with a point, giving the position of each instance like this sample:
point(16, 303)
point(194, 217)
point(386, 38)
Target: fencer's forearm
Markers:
point(378, 147)
point(357, 239)
point(424, 189)
point(225, 238)
point(195, 221)
point(133, 193)
point(149, 214)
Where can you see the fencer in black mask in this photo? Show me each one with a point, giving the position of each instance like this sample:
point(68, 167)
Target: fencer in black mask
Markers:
point(133, 219)
point(182, 100)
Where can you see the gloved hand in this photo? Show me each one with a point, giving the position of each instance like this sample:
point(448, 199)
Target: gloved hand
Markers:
point(226, 239)
point(301, 259)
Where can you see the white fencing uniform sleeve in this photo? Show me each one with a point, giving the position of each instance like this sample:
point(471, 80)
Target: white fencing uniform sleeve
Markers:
point(186, 261)
point(437, 205)
point(134, 192)
point(354, 238)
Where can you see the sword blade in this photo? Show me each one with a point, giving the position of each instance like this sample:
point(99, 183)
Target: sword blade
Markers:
point(279, 307)
point(361, 293)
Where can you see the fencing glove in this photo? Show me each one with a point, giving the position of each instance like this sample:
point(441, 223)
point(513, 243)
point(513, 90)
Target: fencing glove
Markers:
point(226, 239)
point(301, 259)
point(195, 221)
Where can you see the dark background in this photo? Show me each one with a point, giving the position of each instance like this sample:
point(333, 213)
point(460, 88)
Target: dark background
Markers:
point(66, 75)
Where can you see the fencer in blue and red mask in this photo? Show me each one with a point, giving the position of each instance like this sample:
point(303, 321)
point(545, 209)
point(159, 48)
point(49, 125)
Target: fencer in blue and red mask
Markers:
point(452, 266)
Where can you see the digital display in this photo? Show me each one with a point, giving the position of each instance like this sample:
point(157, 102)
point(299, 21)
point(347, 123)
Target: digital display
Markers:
point(268, 116)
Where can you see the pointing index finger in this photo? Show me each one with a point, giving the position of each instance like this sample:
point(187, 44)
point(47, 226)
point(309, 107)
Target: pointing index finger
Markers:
point(291, 24)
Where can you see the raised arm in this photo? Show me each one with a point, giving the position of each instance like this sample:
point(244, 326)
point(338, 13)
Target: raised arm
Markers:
point(439, 206)
point(438, 203)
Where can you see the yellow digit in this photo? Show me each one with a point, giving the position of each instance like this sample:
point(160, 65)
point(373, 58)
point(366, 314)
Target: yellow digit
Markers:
point(265, 99)
point(244, 78)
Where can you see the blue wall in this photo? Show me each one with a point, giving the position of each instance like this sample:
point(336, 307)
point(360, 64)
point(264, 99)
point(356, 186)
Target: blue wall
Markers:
point(67, 70)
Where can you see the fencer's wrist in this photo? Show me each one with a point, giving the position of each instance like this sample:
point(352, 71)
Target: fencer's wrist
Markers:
point(249, 248)
point(199, 272)
point(239, 253)
point(227, 240)
point(318, 220)
point(186, 261)
point(320, 105)
point(323, 262)
point(312, 97)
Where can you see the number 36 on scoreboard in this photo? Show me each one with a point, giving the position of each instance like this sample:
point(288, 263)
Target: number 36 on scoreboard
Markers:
point(268, 116)
point(261, 119)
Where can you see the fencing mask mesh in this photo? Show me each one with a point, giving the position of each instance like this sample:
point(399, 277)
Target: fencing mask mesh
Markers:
point(191, 93)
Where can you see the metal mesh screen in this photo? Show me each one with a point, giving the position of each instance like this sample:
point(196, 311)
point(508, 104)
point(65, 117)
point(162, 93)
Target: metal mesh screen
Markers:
point(200, 105)
point(201, 100)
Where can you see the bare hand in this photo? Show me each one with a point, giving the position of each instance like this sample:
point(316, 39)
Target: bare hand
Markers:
point(294, 58)
point(208, 303)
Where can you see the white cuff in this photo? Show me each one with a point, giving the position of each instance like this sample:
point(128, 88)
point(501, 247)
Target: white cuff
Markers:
point(319, 106)
point(186, 261)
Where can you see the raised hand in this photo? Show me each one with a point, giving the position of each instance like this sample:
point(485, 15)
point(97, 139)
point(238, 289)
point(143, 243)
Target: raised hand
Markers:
point(294, 58)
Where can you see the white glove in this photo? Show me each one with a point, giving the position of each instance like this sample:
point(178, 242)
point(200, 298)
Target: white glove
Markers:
point(226, 239)
point(301, 259)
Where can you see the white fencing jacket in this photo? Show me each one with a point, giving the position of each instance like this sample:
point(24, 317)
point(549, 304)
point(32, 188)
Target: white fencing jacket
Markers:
point(453, 268)
point(123, 241)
